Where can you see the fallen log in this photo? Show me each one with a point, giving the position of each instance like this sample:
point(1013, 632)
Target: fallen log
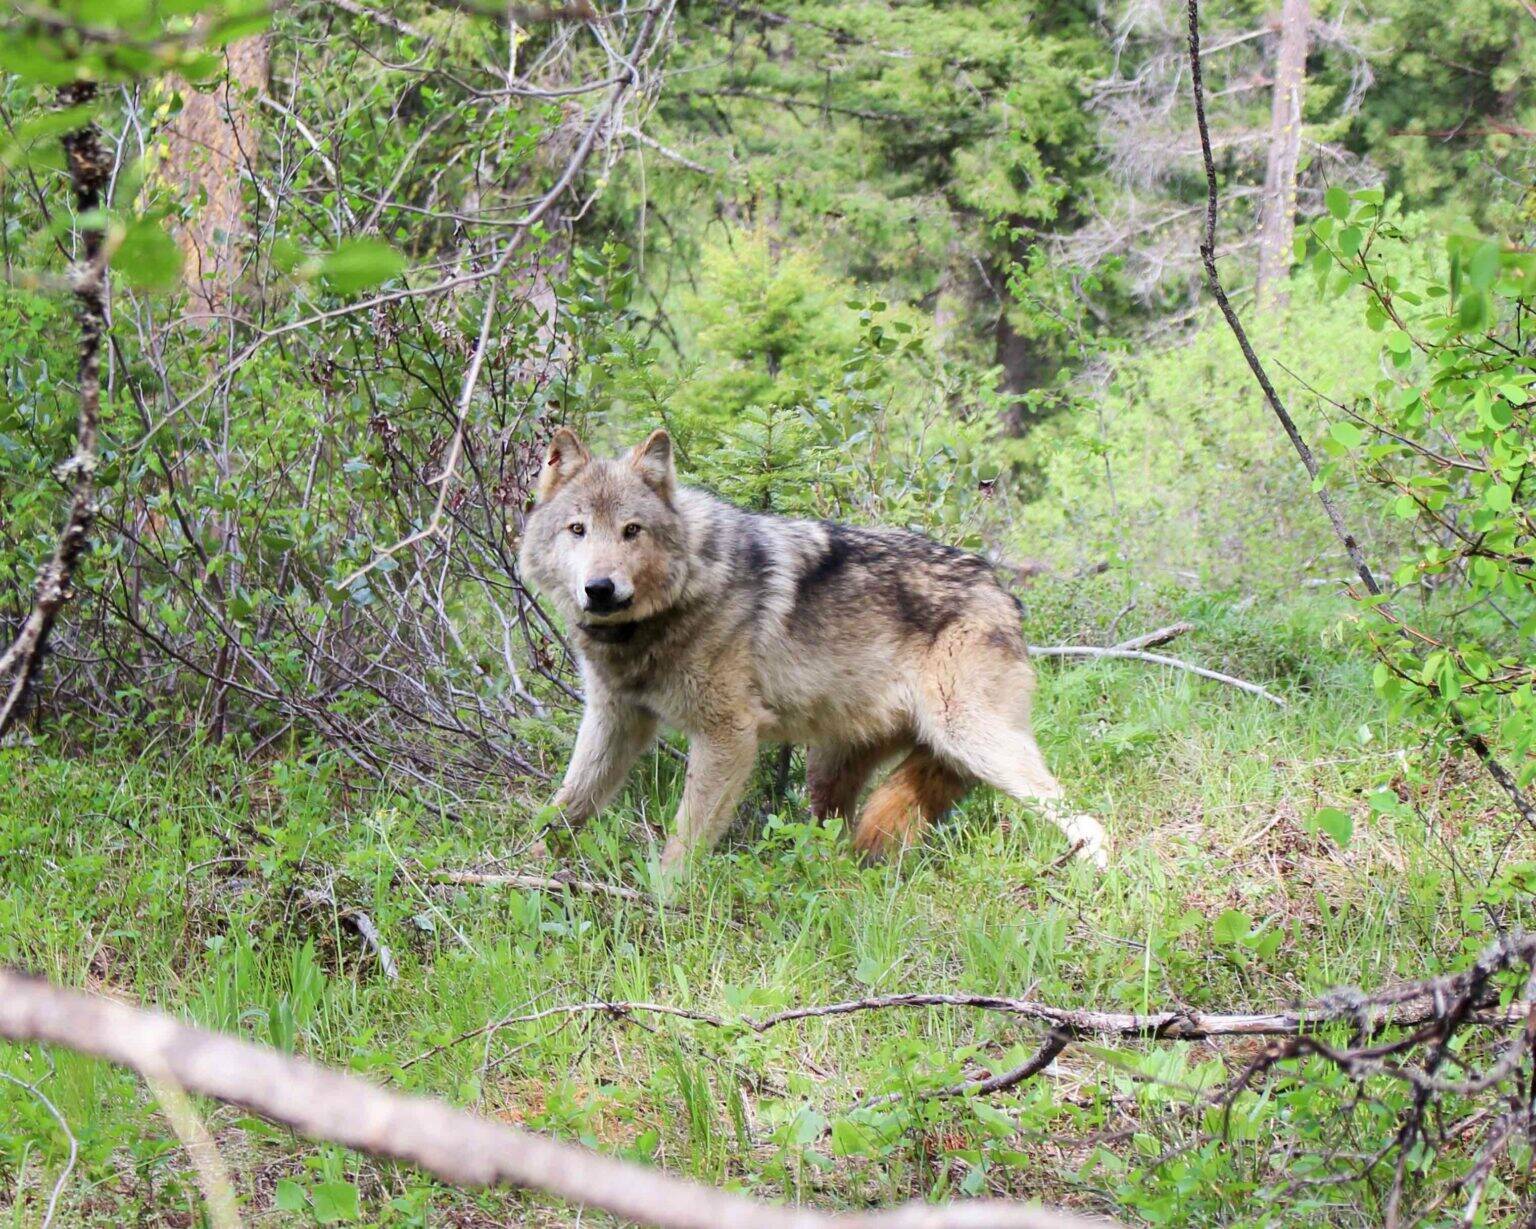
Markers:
point(456, 1146)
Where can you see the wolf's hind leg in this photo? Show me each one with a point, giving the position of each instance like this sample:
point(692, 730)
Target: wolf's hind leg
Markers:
point(1007, 758)
point(976, 699)
point(836, 776)
point(919, 790)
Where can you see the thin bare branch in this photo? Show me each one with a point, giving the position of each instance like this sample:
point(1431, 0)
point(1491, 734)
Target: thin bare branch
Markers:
point(74, 1147)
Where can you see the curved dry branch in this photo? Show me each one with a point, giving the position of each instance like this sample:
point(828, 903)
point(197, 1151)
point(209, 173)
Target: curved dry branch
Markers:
point(1134, 650)
point(1159, 659)
point(456, 1146)
point(1055, 1042)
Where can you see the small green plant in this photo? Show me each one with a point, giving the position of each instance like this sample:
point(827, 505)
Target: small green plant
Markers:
point(1446, 434)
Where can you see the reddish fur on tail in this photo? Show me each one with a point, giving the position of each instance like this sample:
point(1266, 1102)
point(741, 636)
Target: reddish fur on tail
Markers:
point(919, 790)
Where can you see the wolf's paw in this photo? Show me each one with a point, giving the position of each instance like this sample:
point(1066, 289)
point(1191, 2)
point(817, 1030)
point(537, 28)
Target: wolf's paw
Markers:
point(1086, 836)
point(674, 859)
point(555, 843)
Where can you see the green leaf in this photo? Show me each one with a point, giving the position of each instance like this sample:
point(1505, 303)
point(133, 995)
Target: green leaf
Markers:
point(1231, 927)
point(1473, 312)
point(336, 1202)
point(35, 142)
point(360, 263)
point(1348, 434)
point(289, 1196)
point(1483, 268)
point(849, 1139)
point(147, 256)
point(1337, 201)
point(238, 25)
point(806, 1127)
point(1336, 823)
point(996, 1122)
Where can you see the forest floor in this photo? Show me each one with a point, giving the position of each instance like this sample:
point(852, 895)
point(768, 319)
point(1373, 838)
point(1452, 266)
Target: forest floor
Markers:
point(178, 878)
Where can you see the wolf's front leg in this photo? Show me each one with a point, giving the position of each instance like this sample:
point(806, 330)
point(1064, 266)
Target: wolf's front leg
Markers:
point(611, 738)
point(719, 765)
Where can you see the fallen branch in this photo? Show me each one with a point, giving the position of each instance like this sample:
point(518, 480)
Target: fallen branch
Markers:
point(1160, 659)
point(456, 1146)
point(1408, 1005)
point(1172, 1025)
point(541, 883)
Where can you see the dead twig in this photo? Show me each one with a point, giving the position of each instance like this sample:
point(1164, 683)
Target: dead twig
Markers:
point(618, 1010)
point(74, 1147)
point(1496, 769)
point(1055, 1042)
point(360, 923)
point(1150, 640)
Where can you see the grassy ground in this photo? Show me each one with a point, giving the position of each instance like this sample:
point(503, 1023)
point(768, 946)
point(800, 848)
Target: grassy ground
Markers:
point(176, 877)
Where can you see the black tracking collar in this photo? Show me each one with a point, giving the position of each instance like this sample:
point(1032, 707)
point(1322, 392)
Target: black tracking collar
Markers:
point(612, 633)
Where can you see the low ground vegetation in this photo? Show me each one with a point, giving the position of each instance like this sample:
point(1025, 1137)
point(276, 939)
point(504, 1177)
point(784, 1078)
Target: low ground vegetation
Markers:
point(218, 886)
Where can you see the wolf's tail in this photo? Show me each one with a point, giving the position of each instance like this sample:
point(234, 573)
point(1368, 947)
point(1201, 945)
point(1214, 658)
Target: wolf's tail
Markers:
point(919, 790)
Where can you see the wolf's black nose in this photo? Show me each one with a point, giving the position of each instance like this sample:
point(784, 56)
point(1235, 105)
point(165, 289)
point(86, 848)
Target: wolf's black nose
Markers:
point(599, 592)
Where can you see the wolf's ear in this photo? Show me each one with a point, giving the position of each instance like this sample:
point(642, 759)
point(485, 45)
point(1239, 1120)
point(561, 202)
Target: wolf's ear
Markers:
point(565, 459)
point(653, 460)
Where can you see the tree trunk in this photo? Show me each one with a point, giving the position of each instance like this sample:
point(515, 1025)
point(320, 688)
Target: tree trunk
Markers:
point(89, 160)
point(211, 142)
point(1022, 367)
point(1277, 218)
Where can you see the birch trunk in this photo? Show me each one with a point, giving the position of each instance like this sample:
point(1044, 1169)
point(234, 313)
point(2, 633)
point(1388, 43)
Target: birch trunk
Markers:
point(1277, 218)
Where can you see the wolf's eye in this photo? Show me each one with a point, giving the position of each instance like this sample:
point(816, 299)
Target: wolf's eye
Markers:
point(578, 529)
point(631, 530)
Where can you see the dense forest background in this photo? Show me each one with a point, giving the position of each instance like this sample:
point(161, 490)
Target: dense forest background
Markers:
point(293, 298)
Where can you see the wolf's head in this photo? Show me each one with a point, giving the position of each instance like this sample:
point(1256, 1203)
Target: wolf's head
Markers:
point(605, 542)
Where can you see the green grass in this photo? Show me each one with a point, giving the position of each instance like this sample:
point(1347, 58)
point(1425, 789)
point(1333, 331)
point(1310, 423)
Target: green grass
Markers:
point(174, 876)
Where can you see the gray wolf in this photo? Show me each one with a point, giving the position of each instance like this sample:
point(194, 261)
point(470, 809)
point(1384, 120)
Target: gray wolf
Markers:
point(864, 645)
